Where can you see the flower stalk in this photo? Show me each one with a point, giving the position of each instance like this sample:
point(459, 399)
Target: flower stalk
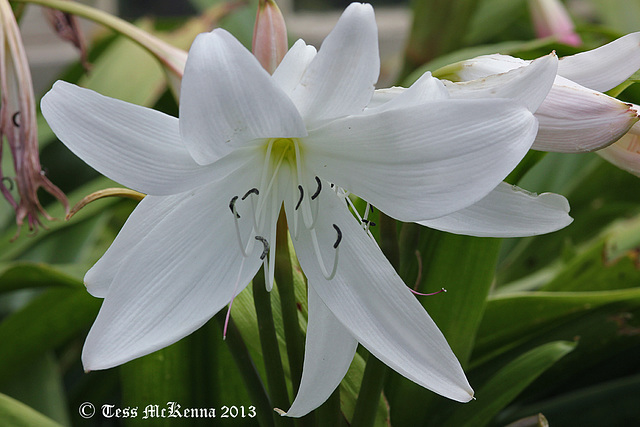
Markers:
point(270, 349)
point(288, 304)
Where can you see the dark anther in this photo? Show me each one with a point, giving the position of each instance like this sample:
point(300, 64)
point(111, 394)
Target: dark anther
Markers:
point(14, 119)
point(371, 223)
point(252, 191)
point(301, 196)
point(232, 206)
point(372, 209)
point(335, 245)
point(265, 251)
point(9, 180)
point(317, 193)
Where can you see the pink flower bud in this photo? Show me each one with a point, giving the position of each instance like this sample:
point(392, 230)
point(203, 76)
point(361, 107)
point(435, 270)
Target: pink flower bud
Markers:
point(269, 35)
point(550, 18)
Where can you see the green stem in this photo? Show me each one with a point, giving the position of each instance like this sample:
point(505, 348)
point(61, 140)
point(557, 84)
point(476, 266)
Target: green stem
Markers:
point(270, 349)
point(365, 411)
point(330, 414)
point(288, 303)
point(250, 376)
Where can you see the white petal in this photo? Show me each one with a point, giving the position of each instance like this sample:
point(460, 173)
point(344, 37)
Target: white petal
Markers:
point(576, 119)
point(625, 153)
point(427, 88)
point(528, 84)
point(293, 65)
point(340, 79)
point(328, 353)
point(425, 161)
point(507, 211)
point(228, 99)
point(382, 96)
point(133, 145)
point(487, 65)
point(371, 301)
point(605, 67)
point(182, 272)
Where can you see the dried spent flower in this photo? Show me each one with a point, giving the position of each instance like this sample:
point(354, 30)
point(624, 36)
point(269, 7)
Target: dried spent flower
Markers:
point(18, 126)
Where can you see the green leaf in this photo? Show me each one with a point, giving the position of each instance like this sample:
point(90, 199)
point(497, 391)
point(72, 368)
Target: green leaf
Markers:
point(45, 323)
point(16, 414)
point(24, 274)
point(128, 72)
point(511, 320)
point(607, 263)
point(623, 15)
point(508, 383)
point(493, 17)
point(611, 403)
point(40, 386)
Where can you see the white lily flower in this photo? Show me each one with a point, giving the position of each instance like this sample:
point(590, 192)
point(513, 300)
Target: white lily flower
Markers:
point(625, 153)
point(507, 211)
point(576, 116)
point(246, 143)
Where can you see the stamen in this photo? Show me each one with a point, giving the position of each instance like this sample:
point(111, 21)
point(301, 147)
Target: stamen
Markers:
point(252, 191)
point(368, 223)
point(14, 119)
point(301, 197)
point(233, 297)
point(443, 290)
point(232, 206)
point(265, 251)
point(317, 193)
point(339, 238)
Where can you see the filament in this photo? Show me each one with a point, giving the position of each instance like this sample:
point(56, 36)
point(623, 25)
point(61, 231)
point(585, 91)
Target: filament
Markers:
point(316, 248)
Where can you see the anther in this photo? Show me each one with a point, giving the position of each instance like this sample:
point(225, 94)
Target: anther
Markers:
point(369, 223)
point(265, 251)
point(232, 206)
point(317, 193)
point(9, 180)
point(14, 119)
point(301, 197)
point(339, 238)
point(442, 290)
point(252, 191)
